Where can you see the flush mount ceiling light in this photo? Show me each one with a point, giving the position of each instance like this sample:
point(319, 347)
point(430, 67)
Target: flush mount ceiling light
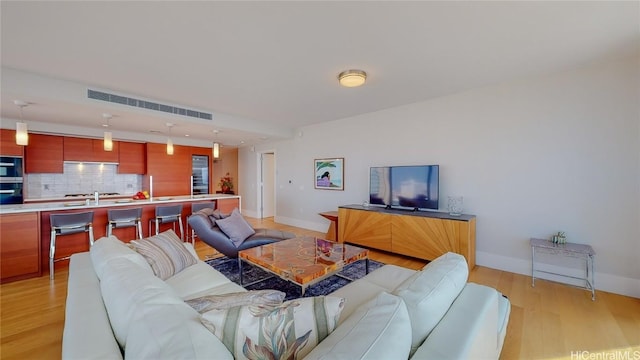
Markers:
point(352, 78)
point(169, 141)
point(22, 136)
point(107, 144)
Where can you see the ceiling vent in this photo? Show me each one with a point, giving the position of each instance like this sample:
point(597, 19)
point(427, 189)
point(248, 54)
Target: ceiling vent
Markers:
point(123, 100)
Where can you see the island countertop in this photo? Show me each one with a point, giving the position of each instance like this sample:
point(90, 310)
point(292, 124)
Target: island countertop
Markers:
point(72, 204)
point(26, 229)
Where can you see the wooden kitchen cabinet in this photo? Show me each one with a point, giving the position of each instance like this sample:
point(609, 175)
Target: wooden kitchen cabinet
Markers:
point(132, 158)
point(100, 155)
point(44, 154)
point(8, 145)
point(19, 246)
point(81, 149)
point(77, 149)
point(171, 173)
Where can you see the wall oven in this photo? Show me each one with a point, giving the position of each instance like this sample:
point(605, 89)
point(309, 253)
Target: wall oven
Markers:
point(10, 180)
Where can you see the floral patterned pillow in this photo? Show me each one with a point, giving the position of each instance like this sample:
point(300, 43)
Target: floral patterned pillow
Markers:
point(289, 331)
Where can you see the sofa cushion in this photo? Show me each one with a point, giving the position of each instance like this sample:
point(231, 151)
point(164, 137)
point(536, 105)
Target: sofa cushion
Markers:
point(126, 289)
point(198, 279)
point(267, 298)
point(235, 227)
point(165, 253)
point(171, 331)
point(107, 248)
point(379, 329)
point(469, 330)
point(429, 293)
point(291, 330)
point(359, 292)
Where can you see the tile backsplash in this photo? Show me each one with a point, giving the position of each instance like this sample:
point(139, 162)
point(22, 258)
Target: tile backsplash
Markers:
point(81, 178)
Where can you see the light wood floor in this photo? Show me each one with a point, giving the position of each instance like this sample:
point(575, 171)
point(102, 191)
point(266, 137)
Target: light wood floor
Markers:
point(550, 321)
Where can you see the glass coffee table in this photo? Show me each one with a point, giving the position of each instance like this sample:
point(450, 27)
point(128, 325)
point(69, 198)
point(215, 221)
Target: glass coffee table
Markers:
point(304, 260)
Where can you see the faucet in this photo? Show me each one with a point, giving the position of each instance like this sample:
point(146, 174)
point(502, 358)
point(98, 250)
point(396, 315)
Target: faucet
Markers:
point(96, 197)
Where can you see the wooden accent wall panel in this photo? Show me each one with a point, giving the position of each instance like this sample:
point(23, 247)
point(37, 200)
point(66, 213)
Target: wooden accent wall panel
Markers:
point(227, 205)
point(8, 145)
point(44, 154)
point(365, 228)
point(19, 246)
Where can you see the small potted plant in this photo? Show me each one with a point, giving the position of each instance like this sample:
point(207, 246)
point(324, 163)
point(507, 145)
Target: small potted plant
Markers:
point(226, 185)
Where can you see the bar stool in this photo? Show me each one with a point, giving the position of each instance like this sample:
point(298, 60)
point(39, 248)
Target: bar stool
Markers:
point(67, 224)
point(120, 218)
point(194, 209)
point(168, 214)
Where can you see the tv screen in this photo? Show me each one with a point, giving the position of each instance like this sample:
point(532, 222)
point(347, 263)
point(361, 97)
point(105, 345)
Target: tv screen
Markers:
point(415, 187)
point(380, 186)
point(410, 187)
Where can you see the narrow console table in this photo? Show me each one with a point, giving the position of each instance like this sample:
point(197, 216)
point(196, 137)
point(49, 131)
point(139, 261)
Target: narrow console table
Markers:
point(420, 234)
point(579, 251)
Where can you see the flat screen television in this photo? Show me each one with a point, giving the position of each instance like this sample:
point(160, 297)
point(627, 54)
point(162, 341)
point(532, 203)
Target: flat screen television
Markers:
point(405, 187)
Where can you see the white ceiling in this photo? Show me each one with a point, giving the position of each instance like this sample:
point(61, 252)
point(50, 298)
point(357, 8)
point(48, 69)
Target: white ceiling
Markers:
point(266, 68)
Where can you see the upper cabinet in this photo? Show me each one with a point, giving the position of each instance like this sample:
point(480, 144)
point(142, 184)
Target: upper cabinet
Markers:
point(8, 145)
point(44, 154)
point(80, 149)
point(132, 158)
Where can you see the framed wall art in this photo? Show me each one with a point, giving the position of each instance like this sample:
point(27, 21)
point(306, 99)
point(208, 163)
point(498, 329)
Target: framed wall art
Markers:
point(329, 174)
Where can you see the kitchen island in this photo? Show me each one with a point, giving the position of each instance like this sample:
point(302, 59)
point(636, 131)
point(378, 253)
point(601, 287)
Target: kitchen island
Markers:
point(25, 228)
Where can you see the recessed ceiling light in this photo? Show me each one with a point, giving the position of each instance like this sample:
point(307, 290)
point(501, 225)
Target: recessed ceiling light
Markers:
point(352, 78)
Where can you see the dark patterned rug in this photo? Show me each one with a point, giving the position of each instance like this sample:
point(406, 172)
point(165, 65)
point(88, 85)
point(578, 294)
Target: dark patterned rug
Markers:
point(255, 278)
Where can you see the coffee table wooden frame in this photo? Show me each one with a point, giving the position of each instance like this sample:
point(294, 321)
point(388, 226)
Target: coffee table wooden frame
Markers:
point(303, 261)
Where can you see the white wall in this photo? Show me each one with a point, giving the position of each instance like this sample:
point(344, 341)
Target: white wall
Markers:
point(531, 158)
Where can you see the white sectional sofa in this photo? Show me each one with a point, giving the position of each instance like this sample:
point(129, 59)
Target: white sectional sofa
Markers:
point(116, 308)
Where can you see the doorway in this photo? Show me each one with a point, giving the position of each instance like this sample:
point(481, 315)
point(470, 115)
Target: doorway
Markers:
point(267, 193)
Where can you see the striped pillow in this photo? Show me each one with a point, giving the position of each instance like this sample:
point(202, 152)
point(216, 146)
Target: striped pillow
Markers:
point(165, 253)
point(290, 331)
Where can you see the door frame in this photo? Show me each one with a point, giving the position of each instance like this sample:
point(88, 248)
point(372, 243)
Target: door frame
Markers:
point(260, 183)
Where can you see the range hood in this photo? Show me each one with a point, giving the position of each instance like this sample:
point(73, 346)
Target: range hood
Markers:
point(91, 162)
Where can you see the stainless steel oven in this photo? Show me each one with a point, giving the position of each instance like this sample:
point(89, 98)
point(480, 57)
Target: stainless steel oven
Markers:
point(10, 180)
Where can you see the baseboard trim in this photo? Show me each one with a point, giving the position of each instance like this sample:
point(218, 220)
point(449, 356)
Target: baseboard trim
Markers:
point(603, 281)
point(310, 225)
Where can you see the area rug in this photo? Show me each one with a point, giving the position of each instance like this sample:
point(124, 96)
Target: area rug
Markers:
point(257, 279)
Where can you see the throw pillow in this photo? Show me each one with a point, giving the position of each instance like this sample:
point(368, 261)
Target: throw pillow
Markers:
point(235, 227)
point(165, 253)
point(218, 215)
point(290, 331)
point(265, 298)
point(430, 292)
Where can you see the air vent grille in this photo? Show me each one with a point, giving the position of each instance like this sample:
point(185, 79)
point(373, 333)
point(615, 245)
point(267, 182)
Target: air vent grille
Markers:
point(118, 99)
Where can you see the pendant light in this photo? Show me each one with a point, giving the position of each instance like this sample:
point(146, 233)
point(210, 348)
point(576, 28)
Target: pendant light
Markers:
point(22, 136)
point(108, 141)
point(169, 141)
point(216, 146)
